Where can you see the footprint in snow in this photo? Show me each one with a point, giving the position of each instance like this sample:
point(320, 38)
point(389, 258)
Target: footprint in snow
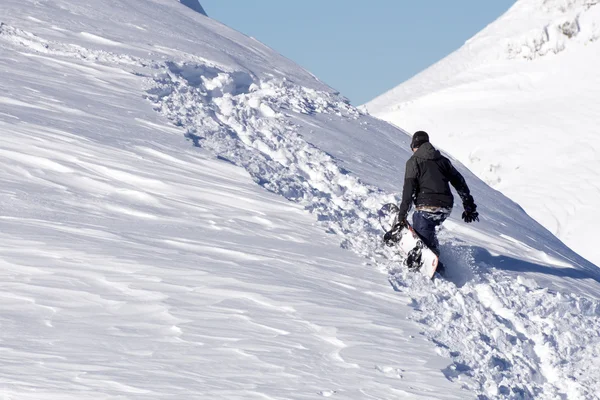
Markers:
point(390, 371)
point(327, 393)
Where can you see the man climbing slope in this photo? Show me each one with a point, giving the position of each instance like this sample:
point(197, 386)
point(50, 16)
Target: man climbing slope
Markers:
point(426, 180)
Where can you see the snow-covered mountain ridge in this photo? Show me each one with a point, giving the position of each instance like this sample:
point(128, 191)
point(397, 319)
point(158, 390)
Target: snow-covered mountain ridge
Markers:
point(194, 5)
point(139, 264)
point(518, 105)
point(551, 27)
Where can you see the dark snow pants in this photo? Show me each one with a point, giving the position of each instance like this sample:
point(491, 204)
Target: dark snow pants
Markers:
point(425, 222)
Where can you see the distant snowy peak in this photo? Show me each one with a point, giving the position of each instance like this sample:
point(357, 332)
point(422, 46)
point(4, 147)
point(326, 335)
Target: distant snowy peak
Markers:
point(194, 5)
point(535, 28)
point(529, 30)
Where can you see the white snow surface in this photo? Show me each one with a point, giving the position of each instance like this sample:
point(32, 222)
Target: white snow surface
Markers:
point(518, 104)
point(187, 214)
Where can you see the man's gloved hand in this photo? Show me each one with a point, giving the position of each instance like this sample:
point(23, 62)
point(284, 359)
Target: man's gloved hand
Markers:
point(470, 214)
point(389, 238)
point(403, 222)
point(393, 236)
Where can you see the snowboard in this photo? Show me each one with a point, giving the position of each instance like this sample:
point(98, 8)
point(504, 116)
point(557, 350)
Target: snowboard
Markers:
point(418, 256)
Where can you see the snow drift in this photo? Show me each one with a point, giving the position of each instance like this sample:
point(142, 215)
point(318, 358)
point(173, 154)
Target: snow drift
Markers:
point(518, 105)
point(174, 201)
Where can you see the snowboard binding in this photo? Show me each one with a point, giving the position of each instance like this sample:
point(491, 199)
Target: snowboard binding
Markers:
point(413, 259)
point(399, 234)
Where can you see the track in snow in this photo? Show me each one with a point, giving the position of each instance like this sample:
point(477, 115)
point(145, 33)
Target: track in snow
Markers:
point(509, 339)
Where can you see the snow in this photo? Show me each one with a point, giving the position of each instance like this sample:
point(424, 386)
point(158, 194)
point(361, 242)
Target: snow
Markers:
point(188, 214)
point(517, 104)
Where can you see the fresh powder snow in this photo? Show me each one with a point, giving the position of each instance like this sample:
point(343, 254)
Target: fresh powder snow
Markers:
point(518, 105)
point(188, 214)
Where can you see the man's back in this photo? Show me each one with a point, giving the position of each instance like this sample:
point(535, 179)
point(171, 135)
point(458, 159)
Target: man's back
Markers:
point(432, 171)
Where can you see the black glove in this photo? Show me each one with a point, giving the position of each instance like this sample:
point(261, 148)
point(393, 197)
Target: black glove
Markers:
point(393, 236)
point(389, 238)
point(470, 214)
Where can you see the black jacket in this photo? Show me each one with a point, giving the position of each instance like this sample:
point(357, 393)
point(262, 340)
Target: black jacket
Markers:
point(426, 180)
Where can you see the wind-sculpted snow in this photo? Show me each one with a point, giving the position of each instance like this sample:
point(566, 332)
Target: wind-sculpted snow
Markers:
point(510, 337)
point(140, 265)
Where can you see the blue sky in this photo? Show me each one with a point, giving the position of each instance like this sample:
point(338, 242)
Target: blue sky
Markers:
point(361, 48)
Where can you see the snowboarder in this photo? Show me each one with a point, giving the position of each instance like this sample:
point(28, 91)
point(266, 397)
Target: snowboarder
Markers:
point(426, 180)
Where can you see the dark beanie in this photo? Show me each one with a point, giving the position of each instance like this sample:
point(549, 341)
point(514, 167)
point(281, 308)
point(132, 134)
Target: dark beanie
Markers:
point(418, 139)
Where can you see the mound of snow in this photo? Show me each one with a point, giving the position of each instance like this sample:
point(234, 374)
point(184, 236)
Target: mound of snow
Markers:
point(173, 205)
point(518, 104)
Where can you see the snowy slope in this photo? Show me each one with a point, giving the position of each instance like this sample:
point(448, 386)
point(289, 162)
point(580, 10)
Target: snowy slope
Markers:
point(174, 197)
point(518, 104)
